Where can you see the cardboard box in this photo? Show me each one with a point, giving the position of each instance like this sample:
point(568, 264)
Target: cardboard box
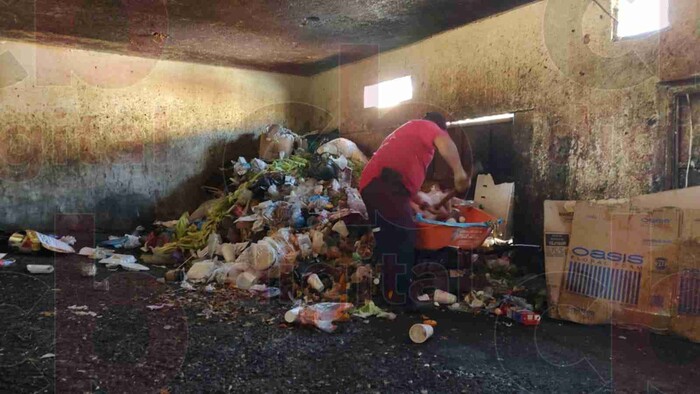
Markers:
point(632, 262)
point(558, 216)
point(617, 263)
point(686, 319)
point(497, 200)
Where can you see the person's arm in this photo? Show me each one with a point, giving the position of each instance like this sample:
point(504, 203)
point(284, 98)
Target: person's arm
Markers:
point(448, 150)
point(420, 201)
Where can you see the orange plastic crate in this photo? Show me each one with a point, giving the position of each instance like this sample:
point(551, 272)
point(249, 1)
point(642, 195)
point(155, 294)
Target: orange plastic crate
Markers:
point(469, 235)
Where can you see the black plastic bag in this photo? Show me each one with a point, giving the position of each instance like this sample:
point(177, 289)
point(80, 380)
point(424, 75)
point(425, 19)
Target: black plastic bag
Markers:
point(322, 167)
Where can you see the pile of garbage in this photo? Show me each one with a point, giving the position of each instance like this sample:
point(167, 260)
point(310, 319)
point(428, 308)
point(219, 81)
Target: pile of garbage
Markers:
point(294, 226)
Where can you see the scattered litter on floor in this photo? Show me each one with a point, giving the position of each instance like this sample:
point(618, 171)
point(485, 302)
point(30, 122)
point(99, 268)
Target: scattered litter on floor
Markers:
point(420, 333)
point(321, 315)
point(30, 241)
point(81, 310)
point(370, 309)
point(5, 262)
point(39, 268)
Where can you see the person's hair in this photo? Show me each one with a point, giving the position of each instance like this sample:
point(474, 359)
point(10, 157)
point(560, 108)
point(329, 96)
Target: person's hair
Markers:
point(436, 118)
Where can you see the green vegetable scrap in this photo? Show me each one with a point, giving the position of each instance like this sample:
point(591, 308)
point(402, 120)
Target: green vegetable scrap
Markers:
point(188, 237)
point(370, 309)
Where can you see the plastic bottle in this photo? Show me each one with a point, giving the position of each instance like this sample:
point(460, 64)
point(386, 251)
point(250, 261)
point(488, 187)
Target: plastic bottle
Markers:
point(212, 244)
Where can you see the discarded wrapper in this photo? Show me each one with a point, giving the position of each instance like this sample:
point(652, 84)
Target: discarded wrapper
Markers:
point(31, 241)
point(40, 269)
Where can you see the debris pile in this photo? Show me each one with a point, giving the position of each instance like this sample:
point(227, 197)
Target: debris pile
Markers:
point(294, 226)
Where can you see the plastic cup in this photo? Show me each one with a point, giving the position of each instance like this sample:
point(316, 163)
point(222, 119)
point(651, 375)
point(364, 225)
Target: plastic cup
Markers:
point(246, 280)
point(443, 297)
point(292, 315)
point(420, 333)
point(229, 252)
point(315, 282)
point(175, 275)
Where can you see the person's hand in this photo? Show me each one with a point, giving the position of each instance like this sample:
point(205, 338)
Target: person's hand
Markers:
point(462, 181)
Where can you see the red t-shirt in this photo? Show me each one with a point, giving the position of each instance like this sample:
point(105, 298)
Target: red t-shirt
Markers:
point(408, 151)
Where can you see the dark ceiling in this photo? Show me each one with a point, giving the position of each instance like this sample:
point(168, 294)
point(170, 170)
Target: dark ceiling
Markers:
point(292, 36)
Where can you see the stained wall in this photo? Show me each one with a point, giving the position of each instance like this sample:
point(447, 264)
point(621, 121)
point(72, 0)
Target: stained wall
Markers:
point(592, 115)
point(126, 138)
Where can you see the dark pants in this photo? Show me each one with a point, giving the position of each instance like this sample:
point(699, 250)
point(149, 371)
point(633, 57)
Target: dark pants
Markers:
point(388, 205)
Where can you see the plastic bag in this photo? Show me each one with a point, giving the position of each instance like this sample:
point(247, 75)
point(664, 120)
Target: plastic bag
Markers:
point(343, 147)
point(322, 167)
point(305, 245)
point(257, 165)
point(322, 315)
point(232, 251)
point(316, 139)
point(264, 183)
point(264, 255)
point(355, 201)
point(335, 186)
point(277, 143)
point(241, 167)
point(317, 202)
point(297, 219)
point(341, 162)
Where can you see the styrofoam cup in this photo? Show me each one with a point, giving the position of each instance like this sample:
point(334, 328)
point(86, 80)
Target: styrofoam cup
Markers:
point(315, 282)
point(443, 297)
point(420, 333)
point(229, 252)
point(246, 280)
point(292, 315)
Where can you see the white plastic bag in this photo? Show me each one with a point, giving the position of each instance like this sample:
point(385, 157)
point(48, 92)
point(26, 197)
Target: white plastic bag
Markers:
point(343, 147)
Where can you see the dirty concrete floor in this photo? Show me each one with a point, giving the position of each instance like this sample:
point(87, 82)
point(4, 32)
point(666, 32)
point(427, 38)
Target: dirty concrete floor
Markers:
point(228, 341)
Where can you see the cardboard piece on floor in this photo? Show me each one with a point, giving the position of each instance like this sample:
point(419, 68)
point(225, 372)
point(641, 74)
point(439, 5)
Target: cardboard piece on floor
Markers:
point(497, 200)
point(558, 216)
point(53, 244)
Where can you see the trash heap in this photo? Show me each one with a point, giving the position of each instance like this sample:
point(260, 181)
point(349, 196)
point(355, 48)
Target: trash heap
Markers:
point(295, 226)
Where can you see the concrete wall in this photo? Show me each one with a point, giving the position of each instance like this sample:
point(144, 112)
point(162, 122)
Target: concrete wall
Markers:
point(594, 121)
point(126, 138)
